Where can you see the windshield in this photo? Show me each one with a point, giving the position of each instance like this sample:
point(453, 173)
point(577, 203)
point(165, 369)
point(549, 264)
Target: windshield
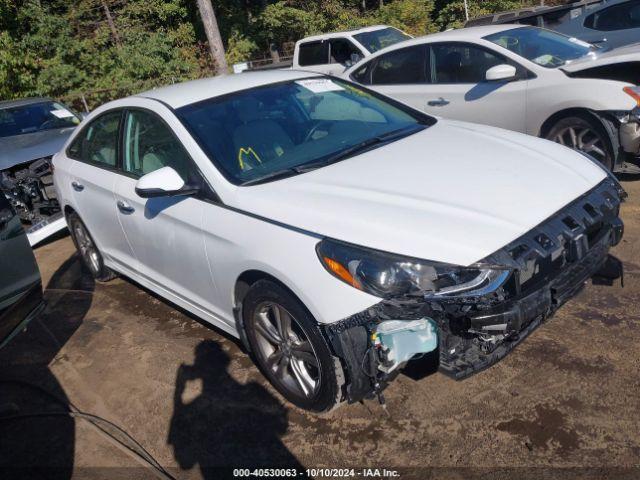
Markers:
point(34, 118)
point(254, 134)
point(544, 47)
point(378, 39)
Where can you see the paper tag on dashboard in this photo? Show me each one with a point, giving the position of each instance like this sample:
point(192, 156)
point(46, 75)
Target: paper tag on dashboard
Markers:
point(319, 85)
point(62, 113)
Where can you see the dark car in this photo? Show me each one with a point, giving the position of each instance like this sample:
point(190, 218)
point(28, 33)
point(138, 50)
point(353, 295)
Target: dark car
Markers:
point(20, 284)
point(32, 130)
point(608, 23)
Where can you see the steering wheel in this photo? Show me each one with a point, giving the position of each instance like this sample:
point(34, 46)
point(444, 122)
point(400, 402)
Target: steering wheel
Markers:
point(315, 128)
point(47, 124)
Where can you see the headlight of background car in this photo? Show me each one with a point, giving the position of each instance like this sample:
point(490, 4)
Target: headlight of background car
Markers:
point(387, 275)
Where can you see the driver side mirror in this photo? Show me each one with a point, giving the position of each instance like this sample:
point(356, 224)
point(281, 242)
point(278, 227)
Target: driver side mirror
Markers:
point(164, 182)
point(501, 72)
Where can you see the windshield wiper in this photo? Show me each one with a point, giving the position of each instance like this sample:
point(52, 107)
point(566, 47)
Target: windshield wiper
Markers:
point(341, 155)
point(278, 174)
point(360, 147)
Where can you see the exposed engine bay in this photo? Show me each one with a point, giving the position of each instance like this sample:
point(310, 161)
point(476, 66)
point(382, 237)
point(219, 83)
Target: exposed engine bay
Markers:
point(29, 188)
point(546, 267)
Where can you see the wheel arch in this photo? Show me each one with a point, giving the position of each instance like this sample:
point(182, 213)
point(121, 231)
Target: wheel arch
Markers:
point(242, 285)
point(605, 119)
point(567, 112)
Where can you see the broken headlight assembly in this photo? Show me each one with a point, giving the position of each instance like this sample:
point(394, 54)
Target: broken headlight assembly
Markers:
point(389, 275)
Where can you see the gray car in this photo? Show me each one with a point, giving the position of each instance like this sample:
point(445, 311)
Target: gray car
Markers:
point(31, 131)
point(607, 23)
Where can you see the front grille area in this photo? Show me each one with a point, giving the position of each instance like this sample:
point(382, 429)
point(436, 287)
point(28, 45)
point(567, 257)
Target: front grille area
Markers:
point(563, 239)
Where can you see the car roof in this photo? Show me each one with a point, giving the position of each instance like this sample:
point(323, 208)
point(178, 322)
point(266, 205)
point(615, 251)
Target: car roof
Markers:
point(186, 93)
point(23, 102)
point(344, 33)
point(460, 34)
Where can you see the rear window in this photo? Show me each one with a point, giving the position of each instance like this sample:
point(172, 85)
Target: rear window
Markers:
point(313, 53)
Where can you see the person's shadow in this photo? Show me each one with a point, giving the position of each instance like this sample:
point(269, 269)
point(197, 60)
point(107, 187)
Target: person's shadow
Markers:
point(220, 423)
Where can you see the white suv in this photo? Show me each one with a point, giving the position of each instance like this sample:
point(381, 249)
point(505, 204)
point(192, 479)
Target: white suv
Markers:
point(336, 232)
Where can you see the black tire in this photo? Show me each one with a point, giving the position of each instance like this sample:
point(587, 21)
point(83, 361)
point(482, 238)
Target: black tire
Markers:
point(287, 377)
point(589, 136)
point(89, 253)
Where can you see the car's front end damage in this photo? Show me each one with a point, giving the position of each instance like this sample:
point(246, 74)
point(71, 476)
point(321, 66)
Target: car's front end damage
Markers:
point(625, 68)
point(30, 190)
point(532, 277)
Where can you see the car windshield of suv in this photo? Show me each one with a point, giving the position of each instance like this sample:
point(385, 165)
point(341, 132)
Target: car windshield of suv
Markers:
point(35, 117)
point(287, 128)
point(378, 39)
point(544, 47)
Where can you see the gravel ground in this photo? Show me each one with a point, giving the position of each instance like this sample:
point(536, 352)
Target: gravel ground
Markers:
point(563, 403)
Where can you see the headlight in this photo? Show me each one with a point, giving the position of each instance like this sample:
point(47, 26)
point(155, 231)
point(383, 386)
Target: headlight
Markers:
point(387, 275)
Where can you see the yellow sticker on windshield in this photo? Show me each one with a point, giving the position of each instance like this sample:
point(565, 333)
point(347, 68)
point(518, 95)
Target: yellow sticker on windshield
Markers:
point(247, 156)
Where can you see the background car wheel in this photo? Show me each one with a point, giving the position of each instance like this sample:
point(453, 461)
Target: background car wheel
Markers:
point(289, 347)
point(586, 134)
point(91, 256)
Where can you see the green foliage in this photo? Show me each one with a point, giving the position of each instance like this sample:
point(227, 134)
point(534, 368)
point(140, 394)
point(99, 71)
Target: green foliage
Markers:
point(411, 16)
point(452, 14)
point(65, 48)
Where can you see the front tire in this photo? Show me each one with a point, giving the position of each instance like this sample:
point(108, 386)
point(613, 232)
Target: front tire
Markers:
point(584, 133)
point(91, 256)
point(289, 347)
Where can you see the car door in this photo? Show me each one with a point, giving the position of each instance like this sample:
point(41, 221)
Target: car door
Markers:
point(93, 174)
point(400, 74)
point(20, 285)
point(165, 232)
point(454, 84)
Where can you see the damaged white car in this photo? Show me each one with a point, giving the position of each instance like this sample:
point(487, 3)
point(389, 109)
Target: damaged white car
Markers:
point(526, 79)
point(31, 131)
point(337, 232)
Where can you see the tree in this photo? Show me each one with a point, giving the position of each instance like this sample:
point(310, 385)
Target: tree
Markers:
point(213, 35)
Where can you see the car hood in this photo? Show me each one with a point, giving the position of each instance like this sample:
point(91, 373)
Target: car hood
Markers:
point(454, 192)
point(628, 53)
point(31, 146)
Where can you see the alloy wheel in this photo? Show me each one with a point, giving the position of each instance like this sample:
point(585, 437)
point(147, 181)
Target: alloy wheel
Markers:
point(287, 352)
point(584, 139)
point(88, 250)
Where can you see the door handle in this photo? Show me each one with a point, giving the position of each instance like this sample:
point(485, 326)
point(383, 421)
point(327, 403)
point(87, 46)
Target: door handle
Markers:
point(78, 187)
point(124, 207)
point(440, 102)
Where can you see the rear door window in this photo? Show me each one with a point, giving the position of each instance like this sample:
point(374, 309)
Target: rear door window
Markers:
point(403, 66)
point(98, 142)
point(313, 53)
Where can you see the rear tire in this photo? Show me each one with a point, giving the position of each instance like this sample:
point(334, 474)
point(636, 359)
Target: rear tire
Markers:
point(585, 133)
point(91, 256)
point(289, 348)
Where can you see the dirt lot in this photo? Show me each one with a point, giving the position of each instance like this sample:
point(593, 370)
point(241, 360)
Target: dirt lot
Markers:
point(567, 398)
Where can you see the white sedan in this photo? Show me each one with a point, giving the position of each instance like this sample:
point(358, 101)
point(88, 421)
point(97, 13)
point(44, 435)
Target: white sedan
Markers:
point(521, 78)
point(336, 232)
